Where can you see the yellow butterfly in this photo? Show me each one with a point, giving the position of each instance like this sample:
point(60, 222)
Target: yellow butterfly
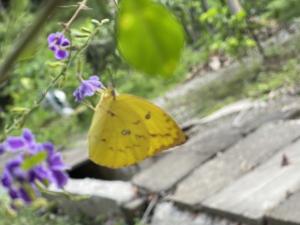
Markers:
point(127, 129)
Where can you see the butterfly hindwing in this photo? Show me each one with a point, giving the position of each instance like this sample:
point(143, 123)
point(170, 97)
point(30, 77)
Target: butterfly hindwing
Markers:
point(162, 129)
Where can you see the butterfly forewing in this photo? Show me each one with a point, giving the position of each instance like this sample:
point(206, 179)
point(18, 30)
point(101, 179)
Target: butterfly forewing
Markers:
point(162, 130)
point(114, 140)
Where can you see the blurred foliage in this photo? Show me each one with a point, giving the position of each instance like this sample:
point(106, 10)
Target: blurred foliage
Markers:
point(38, 213)
point(251, 79)
point(229, 34)
point(211, 30)
point(282, 10)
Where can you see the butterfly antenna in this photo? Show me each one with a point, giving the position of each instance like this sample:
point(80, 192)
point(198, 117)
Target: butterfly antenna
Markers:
point(111, 77)
point(112, 83)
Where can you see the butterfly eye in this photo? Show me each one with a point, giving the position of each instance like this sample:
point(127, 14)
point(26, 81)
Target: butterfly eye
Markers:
point(126, 132)
point(148, 116)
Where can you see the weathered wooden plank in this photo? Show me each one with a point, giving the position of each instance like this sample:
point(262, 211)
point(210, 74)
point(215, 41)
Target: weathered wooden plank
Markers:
point(253, 195)
point(287, 213)
point(236, 161)
point(170, 169)
point(281, 109)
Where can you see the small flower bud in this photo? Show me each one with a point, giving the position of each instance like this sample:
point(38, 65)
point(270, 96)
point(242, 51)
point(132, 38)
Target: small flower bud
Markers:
point(96, 22)
point(81, 35)
point(104, 21)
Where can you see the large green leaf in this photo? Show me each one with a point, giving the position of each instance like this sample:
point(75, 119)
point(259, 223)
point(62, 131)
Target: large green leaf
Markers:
point(149, 37)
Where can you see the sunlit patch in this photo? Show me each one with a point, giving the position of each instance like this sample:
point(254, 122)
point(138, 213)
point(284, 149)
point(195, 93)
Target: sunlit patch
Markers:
point(127, 21)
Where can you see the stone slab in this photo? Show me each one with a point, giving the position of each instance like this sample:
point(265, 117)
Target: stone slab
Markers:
point(93, 197)
point(168, 214)
point(253, 195)
point(236, 161)
point(287, 213)
point(170, 169)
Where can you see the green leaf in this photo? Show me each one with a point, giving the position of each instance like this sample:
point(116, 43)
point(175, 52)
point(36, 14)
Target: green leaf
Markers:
point(149, 37)
point(33, 160)
point(209, 15)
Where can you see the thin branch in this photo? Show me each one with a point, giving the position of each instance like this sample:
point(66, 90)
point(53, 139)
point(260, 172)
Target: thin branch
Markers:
point(25, 39)
point(81, 6)
point(149, 209)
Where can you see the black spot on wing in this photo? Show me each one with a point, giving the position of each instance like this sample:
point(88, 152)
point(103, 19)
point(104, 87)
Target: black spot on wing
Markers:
point(126, 132)
point(148, 116)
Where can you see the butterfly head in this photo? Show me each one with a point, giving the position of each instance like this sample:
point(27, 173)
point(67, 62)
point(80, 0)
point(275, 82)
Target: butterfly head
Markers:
point(109, 93)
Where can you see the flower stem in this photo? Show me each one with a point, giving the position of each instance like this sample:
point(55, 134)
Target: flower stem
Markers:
point(81, 6)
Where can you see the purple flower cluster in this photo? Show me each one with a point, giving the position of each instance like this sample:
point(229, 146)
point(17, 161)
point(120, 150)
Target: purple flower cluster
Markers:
point(21, 174)
point(59, 44)
point(87, 88)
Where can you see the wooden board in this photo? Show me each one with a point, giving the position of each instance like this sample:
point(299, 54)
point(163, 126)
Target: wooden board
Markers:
point(219, 172)
point(287, 213)
point(169, 170)
point(253, 195)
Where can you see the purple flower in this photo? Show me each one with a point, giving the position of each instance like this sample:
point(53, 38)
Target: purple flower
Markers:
point(59, 178)
point(55, 162)
point(15, 143)
point(6, 179)
point(39, 173)
point(27, 140)
point(59, 44)
point(87, 88)
point(28, 136)
point(13, 168)
point(57, 167)
point(49, 147)
point(18, 179)
point(13, 164)
point(13, 193)
point(24, 195)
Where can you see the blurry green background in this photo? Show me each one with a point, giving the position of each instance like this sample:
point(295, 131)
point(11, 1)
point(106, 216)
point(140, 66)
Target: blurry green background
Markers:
point(211, 27)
